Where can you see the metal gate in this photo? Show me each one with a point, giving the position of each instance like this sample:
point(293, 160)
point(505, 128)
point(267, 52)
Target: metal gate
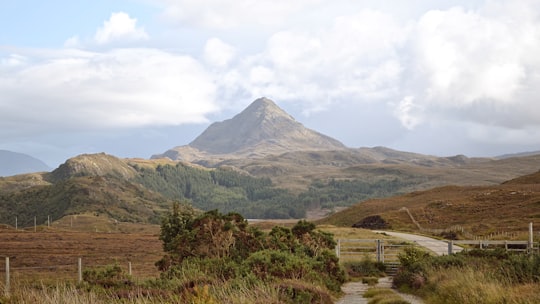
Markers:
point(384, 251)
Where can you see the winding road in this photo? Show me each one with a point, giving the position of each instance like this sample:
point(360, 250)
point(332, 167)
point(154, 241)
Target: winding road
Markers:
point(436, 246)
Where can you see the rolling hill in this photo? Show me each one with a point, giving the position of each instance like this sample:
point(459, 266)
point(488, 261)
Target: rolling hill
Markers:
point(480, 210)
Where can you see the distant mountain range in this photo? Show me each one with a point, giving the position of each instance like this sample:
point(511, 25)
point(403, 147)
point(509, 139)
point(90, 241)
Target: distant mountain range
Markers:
point(12, 163)
point(261, 163)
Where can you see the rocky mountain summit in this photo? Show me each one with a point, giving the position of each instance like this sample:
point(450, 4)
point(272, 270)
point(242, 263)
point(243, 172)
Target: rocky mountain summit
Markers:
point(262, 129)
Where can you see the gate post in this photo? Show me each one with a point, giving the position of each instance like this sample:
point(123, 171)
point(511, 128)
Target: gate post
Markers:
point(450, 247)
point(530, 243)
point(379, 249)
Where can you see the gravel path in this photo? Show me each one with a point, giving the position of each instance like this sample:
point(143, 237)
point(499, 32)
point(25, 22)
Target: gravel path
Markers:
point(354, 292)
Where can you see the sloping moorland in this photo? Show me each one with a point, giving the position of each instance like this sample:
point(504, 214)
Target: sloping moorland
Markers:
point(480, 210)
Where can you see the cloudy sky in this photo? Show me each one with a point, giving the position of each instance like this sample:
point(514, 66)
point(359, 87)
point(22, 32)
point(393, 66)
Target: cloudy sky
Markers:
point(137, 77)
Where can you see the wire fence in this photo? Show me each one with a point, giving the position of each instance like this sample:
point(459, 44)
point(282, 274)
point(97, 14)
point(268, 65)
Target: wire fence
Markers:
point(72, 272)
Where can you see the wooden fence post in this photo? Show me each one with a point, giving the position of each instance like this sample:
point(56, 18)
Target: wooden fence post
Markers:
point(379, 251)
point(450, 247)
point(530, 244)
point(129, 268)
point(338, 248)
point(7, 288)
point(79, 266)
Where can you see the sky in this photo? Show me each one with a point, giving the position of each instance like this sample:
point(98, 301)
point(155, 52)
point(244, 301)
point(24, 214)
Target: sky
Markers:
point(134, 78)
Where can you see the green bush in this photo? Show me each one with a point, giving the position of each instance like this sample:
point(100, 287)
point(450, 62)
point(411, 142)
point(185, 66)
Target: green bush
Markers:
point(371, 281)
point(521, 269)
point(109, 276)
point(367, 267)
point(445, 261)
point(294, 292)
point(383, 296)
point(411, 274)
point(213, 248)
point(278, 264)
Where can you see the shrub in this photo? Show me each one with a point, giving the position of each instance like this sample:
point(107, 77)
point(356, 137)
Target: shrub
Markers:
point(445, 261)
point(294, 292)
point(366, 267)
point(371, 281)
point(109, 276)
point(272, 263)
point(521, 269)
point(383, 296)
point(411, 274)
point(212, 249)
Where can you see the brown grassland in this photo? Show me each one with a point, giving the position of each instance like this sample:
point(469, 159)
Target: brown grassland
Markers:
point(52, 255)
point(480, 210)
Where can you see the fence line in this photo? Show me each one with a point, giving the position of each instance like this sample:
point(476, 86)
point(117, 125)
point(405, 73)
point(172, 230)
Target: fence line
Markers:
point(388, 250)
point(79, 267)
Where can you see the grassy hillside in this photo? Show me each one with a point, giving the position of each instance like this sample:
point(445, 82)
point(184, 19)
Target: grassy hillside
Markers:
point(480, 210)
point(118, 199)
point(285, 186)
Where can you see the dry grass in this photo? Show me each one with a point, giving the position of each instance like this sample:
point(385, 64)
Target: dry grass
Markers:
point(474, 286)
point(481, 210)
point(352, 233)
point(378, 295)
point(52, 254)
point(89, 222)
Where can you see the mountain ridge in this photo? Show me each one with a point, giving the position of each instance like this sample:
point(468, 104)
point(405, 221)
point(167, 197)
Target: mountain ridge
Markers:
point(12, 163)
point(261, 129)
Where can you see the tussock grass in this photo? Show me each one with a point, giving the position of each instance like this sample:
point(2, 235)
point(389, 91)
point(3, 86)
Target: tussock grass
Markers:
point(59, 294)
point(383, 296)
point(478, 286)
point(475, 277)
point(352, 233)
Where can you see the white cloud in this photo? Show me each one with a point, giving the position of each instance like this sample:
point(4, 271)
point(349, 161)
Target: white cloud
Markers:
point(73, 42)
point(346, 61)
point(223, 14)
point(120, 88)
point(217, 53)
point(13, 61)
point(479, 65)
point(408, 113)
point(120, 26)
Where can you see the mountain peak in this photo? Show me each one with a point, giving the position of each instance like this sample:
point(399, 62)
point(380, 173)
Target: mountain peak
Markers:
point(262, 128)
point(99, 164)
point(264, 105)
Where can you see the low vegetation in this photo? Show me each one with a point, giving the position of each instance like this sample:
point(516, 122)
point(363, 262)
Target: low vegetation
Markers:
point(471, 277)
point(217, 250)
point(212, 258)
point(383, 296)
